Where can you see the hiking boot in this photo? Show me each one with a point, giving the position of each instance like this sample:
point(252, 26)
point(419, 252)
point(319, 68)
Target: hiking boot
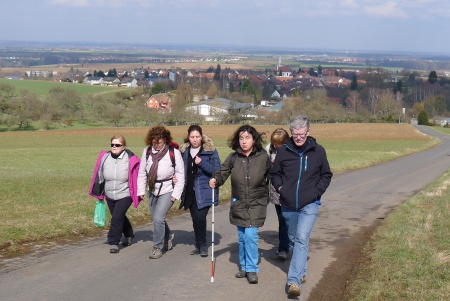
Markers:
point(204, 251)
point(127, 241)
point(168, 243)
point(156, 253)
point(241, 274)
point(252, 278)
point(282, 255)
point(293, 290)
point(196, 251)
point(114, 249)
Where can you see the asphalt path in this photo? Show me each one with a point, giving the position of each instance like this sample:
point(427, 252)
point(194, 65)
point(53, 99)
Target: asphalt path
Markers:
point(87, 271)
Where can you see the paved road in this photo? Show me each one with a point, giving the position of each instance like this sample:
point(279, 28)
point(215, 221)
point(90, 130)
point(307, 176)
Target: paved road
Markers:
point(86, 271)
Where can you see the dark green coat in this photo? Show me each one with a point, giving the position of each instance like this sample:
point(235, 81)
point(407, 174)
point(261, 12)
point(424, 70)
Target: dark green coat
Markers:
point(249, 186)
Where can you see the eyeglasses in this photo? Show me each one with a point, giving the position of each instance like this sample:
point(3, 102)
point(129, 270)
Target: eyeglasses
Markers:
point(300, 134)
point(116, 145)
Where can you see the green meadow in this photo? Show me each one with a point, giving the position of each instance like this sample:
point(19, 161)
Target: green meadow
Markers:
point(42, 88)
point(408, 257)
point(45, 175)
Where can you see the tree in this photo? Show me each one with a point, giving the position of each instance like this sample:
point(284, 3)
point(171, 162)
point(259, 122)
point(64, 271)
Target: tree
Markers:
point(157, 88)
point(388, 105)
point(217, 73)
point(398, 87)
point(146, 74)
point(422, 118)
point(432, 77)
point(319, 70)
point(354, 83)
point(353, 102)
point(212, 91)
point(184, 94)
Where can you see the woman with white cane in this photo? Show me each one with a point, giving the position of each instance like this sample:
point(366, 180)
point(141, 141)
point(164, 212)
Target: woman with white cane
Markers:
point(248, 166)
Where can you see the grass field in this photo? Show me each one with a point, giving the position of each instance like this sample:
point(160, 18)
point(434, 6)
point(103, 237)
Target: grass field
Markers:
point(409, 256)
point(42, 88)
point(45, 175)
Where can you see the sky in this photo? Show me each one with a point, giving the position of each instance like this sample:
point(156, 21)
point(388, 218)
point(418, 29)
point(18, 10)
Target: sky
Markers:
point(351, 25)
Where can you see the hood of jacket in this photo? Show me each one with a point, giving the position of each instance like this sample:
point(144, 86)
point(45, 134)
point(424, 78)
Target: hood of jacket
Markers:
point(207, 145)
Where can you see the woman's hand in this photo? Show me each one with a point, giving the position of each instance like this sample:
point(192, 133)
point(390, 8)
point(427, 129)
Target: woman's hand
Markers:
point(197, 160)
point(173, 199)
point(212, 183)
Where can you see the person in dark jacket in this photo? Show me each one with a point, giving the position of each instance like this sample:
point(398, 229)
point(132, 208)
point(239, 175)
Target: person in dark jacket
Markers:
point(277, 139)
point(115, 179)
point(249, 167)
point(200, 160)
point(301, 174)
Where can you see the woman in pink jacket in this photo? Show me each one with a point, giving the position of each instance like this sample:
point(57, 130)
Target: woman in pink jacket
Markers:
point(115, 179)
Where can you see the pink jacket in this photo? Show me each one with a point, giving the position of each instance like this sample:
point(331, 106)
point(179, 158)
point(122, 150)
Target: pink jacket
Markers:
point(96, 188)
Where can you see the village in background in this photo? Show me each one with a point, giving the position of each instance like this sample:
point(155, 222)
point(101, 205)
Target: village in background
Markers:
point(179, 85)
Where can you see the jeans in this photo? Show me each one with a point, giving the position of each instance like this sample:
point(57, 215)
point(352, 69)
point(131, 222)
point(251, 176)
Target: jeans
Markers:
point(199, 223)
point(248, 249)
point(282, 231)
point(159, 206)
point(119, 221)
point(300, 224)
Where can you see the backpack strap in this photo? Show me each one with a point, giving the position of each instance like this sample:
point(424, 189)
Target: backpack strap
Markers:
point(232, 160)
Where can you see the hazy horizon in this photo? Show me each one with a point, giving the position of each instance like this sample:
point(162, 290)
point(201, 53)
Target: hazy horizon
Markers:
point(415, 26)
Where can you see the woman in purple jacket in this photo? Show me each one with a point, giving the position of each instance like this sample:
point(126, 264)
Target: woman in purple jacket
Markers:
point(115, 179)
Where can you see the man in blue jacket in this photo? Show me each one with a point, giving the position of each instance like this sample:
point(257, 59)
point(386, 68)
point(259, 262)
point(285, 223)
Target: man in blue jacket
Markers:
point(301, 174)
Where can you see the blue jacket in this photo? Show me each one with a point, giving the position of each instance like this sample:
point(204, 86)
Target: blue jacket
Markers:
point(203, 193)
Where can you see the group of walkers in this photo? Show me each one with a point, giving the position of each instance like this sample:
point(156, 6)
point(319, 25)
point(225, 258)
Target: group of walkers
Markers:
point(292, 172)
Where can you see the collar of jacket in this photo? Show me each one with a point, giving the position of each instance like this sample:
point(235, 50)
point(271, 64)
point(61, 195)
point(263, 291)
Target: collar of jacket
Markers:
point(207, 144)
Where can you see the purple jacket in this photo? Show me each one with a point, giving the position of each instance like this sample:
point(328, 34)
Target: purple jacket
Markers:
point(96, 188)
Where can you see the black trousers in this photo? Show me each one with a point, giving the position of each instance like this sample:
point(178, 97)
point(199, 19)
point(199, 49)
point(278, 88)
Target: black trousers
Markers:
point(119, 221)
point(199, 223)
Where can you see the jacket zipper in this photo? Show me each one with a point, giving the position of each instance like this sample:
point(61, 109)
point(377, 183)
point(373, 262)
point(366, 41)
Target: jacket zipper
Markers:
point(298, 181)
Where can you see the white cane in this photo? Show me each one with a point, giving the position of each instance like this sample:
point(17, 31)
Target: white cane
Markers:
point(212, 228)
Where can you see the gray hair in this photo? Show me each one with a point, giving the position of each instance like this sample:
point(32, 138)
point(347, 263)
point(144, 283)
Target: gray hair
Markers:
point(299, 122)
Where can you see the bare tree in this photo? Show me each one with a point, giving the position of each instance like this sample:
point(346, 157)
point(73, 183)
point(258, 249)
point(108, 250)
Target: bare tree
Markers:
point(353, 102)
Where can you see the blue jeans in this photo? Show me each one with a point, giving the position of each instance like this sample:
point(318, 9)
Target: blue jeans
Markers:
point(248, 249)
point(300, 224)
point(159, 206)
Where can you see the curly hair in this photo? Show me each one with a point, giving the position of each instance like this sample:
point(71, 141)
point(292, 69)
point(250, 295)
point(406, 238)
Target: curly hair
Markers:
point(156, 133)
point(233, 141)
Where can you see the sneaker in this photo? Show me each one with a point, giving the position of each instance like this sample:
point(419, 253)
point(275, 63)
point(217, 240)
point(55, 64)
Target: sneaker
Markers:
point(252, 278)
point(293, 290)
point(127, 241)
point(114, 249)
point(204, 251)
point(168, 243)
point(282, 255)
point(196, 251)
point(156, 253)
point(241, 274)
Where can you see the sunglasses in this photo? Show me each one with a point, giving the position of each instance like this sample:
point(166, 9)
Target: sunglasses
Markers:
point(116, 145)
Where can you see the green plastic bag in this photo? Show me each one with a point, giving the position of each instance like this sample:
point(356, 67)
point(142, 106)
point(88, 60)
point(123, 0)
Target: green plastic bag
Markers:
point(100, 214)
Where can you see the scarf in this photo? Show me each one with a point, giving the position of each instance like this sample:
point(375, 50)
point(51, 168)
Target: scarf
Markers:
point(154, 168)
